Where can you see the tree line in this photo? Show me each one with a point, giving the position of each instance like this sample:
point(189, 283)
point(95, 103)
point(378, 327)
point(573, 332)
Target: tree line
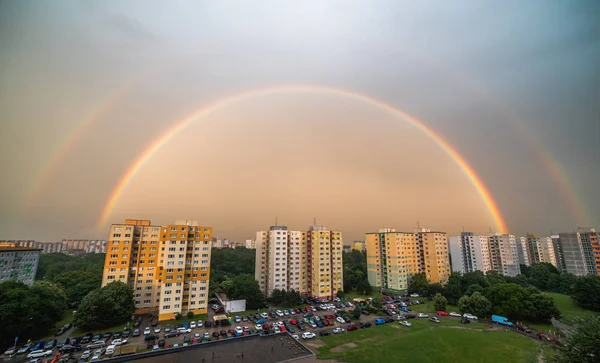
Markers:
point(355, 272)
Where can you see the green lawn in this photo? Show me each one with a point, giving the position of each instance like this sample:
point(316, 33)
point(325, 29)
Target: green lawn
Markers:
point(353, 295)
point(429, 342)
point(568, 308)
point(66, 319)
point(427, 306)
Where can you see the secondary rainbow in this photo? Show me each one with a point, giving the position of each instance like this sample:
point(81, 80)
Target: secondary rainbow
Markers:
point(226, 102)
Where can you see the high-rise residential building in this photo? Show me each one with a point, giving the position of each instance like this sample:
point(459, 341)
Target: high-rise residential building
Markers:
point(591, 249)
point(18, 263)
point(572, 252)
point(358, 246)
point(250, 244)
point(435, 262)
point(392, 258)
point(470, 252)
point(540, 249)
point(558, 253)
point(504, 257)
point(308, 262)
point(168, 267)
point(523, 251)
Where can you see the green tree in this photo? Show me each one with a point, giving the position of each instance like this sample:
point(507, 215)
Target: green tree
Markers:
point(364, 287)
point(475, 304)
point(105, 307)
point(454, 287)
point(541, 273)
point(418, 284)
point(434, 289)
point(356, 312)
point(244, 286)
point(341, 294)
point(277, 297)
point(474, 278)
point(519, 303)
point(582, 345)
point(439, 302)
point(566, 283)
point(586, 292)
point(78, 283)
point(525, 270)
point(474, 288)
point(494, 277)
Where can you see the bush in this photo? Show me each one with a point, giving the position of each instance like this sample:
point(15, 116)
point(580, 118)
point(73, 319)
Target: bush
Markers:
point(439, 302)
point(178, 316)
point(190, 315)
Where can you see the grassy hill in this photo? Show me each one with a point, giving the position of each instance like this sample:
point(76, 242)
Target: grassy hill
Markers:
point(425, 341)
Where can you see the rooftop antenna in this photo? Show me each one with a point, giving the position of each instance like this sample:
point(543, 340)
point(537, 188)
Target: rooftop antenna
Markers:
point(418, 226)
point(490, 229)
point(314, 221)
point(275, 221)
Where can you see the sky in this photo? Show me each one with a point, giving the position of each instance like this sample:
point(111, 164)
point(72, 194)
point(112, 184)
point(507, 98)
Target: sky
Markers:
point(87, 86)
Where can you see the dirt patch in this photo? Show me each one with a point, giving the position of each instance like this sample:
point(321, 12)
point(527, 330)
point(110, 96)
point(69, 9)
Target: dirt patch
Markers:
point(316, 343)
point(366, 340)
point(341, 348)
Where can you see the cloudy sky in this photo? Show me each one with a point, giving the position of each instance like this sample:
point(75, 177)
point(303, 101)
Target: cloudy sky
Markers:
point(87, 86)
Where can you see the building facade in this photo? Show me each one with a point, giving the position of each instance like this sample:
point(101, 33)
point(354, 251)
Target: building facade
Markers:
point(250, 244)
point(591, 250)
point(434, 255)
point(470, 252)
point(540, 249)
point(18, 263)
point(523, 251)
point(504, 257)
point(392, 258)
point(358, 246)
point(168, 267)
point(308, 262)
point(572, 251)
point(558, 253)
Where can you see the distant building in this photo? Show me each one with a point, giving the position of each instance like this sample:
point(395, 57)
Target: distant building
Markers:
point(347, 248)
point(523, 252)
point(359, 246)
point(470, 252)
point(504, 257)
point(558, 253)
point(308, 262)
point(250, 244)
point(572, 251)
point(540, 249)
point(18, 263)
point(591, 249)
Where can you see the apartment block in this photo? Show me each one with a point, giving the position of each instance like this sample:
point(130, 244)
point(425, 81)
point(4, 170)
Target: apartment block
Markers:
point(18, 263)
point(392, 258)
point(168, 267)
point(523, 252)
point(558, 252)
point(308, 262)
point(358, 246)
point(540, 249)
point(250, 244)
point(572, 248)
point(435, 262)
point(591, 250)
point(504, 257)
point(470, 252)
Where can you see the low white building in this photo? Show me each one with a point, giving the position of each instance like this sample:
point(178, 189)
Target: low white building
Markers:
point(231, 306)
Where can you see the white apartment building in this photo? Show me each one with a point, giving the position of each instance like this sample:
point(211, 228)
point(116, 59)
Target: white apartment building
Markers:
point(250, 244)
point(18, 264)
point(470, 252)
point(504, 255)
point(308, 262)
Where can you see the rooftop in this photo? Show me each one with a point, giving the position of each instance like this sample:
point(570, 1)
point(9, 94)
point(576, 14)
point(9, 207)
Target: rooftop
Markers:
point(18, 249)
point(254, 348)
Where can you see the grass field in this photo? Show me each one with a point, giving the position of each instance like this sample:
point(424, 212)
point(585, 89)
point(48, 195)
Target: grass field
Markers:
point(568, 308)
point(429, 342)
point(353, 295)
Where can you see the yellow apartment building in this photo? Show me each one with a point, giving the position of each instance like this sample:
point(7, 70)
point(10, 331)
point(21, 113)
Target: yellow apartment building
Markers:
point(358, 245)
point(434, 256)
point(392, 258)
point(168, 267)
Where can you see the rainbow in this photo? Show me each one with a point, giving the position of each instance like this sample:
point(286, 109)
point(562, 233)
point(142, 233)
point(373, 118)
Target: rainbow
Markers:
point(231, 100)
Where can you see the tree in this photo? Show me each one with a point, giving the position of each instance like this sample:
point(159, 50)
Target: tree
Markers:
point(494, 277)
point(474, 278)
point(475, 304)
point(78, 283)
point(454, 288)
point(566, 283)
point(439, 302)
point(364, 287)
point(190, 314)
point(356, 312)
point(341, 294)
point(586, 292)
point(433, 289)
point(474, 288)
point(246, 287)
point(525, 270)
point(355, 269)
point(277, 297)
point(582, 345)
point(105, 307)
point(519, 303)
point(418, 284)
point(29, 311)
point(541, 273)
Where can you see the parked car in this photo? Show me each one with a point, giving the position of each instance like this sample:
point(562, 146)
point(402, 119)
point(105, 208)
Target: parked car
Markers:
point(442, 313)
point(338, 330)
point(423, 315)
point(455, 314)
point(405, 323)
point(523, 328)
point(469, 316)
point(434, 319)
point(308, 335)
point(501, 320)
point(39, 353)
point(465, 321)
point(86, 354)
point(136, 332)
point(379, 321)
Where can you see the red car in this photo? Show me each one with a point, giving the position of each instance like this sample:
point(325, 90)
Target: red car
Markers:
point(293, 322)
point(351, 327)
point(442, 313)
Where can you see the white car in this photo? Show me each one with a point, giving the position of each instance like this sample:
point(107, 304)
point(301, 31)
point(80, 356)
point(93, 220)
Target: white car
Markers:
point(147, 331)
point(197, 335)
point(340, 320)
point(296, 337)
point(405, 323)
point(455, 314)
point(338, 330)
point(86, 354)
point(276, 329)
point(258, 327)
point(183, 330)
point(193, 325)
point(110, 350)
point(40, 353)
point(239, 330)
point(206, 336)
point(117, 342)
point(95, 358)
point(264, 315)
point(414, 295)
point(280, 323)
point(308, 335)
point(157, 329)
point(350, 304)
point(279, 313)
point(200, 324)
point(423, 315)
point(469, 316)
